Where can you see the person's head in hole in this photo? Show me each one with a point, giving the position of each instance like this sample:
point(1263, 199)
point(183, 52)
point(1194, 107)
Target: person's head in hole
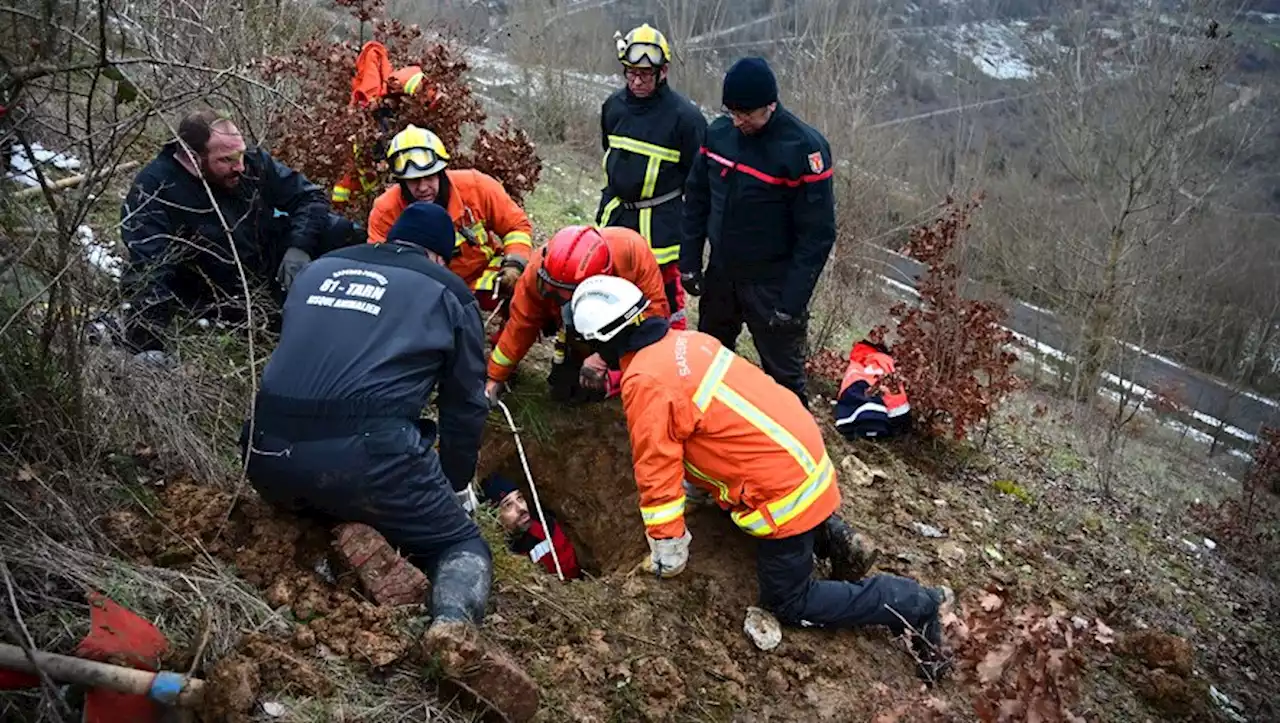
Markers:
point(524, 532)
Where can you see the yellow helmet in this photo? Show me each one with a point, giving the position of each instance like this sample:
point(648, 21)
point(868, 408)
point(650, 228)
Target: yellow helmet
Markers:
point(643, 47)
point(416, 152)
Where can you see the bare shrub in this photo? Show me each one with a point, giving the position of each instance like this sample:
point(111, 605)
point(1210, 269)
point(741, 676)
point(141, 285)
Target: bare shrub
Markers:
point(950, 351)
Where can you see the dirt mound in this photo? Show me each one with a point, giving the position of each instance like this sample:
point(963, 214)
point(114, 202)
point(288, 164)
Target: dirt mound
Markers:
point(259, 663)
point(280, 555)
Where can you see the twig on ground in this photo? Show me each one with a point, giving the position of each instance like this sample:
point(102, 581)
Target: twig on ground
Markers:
point(207, 628)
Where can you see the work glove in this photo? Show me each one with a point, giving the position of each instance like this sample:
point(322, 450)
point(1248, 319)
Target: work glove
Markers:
point(593, 374)
point(508, 277)
point(295, 260)
point(782, 321)
point(692, 282)
point(467, 498)
point(493, 391)
point(667, 558)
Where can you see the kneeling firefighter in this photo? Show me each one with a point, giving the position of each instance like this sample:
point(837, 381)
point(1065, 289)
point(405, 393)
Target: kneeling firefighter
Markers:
point(369, 333)
point(573, 254)
point(705, 422)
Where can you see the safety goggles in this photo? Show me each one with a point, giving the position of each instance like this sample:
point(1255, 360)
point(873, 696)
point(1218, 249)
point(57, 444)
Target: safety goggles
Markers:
point(553, 289)
point(417, 159)
point(643, 54)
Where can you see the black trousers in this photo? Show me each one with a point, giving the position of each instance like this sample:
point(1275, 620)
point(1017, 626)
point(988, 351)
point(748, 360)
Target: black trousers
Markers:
point(784, 570)
point(726, 304)
point(385, 474)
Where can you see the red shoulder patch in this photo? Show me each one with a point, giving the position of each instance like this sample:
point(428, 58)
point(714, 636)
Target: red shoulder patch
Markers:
point(815, 162)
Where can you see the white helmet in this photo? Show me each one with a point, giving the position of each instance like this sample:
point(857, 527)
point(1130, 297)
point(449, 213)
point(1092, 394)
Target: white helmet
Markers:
point(603, 305)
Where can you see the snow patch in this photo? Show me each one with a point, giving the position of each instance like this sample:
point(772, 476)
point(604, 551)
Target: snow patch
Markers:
point(98, 254)
point(23, 167)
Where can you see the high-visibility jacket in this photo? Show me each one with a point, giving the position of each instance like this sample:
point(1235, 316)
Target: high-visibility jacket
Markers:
point(649, 146)
point(697, 411)
point(862, 410)
point(375, 78)
point(531, 311)
point(490, 225)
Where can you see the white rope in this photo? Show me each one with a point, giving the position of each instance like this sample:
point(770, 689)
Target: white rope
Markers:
point(537, 504)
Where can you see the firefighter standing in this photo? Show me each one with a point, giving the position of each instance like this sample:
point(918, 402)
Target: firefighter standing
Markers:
point(702, 420)
point(650, 135)
point(573, 254)
point(760, 193)
point(370, 333)
point(494, 237)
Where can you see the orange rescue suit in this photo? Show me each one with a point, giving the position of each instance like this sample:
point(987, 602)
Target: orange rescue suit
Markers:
point(374, 78)
point(490, 225)
point(531, 311)
point(697, 411)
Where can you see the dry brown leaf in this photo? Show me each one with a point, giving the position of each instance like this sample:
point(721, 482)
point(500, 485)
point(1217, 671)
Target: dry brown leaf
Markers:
point(991, 602)
point(1104, 634)
point(25, 474)
point(992, 665)
point(894, 715)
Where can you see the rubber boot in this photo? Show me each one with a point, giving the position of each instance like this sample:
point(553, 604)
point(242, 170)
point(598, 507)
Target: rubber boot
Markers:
point(472, 666)
point(933, 660)
point(850, 555)
point(387, 578)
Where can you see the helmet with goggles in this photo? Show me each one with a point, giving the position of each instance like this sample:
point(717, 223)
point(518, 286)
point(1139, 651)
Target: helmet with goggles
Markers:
point(643, 47)
point(416, 153)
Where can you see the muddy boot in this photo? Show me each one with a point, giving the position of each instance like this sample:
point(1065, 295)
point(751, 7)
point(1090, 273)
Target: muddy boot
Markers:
point(933, 659)
point(481, 671)
point(471, 665)
point(850, 555)
point(387, 578)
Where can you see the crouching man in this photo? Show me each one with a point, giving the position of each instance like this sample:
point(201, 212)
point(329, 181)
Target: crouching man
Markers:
point(700, 417)
point(525, 534)
point(370, 332)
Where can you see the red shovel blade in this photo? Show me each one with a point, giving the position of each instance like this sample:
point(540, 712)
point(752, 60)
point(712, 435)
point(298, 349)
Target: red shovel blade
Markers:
point(120, 636)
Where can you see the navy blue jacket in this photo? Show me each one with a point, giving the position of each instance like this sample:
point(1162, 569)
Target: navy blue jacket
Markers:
point(178, 251)
point(765, 204)
point(383, 325)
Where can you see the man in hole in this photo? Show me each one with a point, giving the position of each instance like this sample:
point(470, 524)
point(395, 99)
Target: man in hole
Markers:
point(525, 534)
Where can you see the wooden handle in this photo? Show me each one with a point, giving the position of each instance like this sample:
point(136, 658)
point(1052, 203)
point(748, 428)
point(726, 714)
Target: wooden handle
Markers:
point(168, 688)
point(75, 180)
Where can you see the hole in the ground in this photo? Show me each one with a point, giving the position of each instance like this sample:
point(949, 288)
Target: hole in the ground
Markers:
point(585, 479)
point(584, 476)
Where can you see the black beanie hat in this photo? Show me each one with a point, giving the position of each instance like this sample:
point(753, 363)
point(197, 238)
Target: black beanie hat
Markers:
point(427, 225)
point(749, 85)
point(496, 488)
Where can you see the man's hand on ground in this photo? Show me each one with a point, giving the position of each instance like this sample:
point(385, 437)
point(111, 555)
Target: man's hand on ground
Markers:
point(295, 260)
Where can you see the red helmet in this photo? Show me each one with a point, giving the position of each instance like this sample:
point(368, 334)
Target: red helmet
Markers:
point(574, 254)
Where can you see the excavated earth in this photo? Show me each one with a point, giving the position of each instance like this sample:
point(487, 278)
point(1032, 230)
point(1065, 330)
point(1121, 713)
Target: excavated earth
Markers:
point(620, 646)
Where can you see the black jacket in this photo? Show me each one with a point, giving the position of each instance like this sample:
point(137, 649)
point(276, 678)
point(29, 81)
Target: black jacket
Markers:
point(178, 251)
point(766, 205)
point(372, 330)
point(669, 121)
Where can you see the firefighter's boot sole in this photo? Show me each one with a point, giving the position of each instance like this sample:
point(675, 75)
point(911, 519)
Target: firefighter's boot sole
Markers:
point(851, 556)
point(387, 578)
point(481, 672)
